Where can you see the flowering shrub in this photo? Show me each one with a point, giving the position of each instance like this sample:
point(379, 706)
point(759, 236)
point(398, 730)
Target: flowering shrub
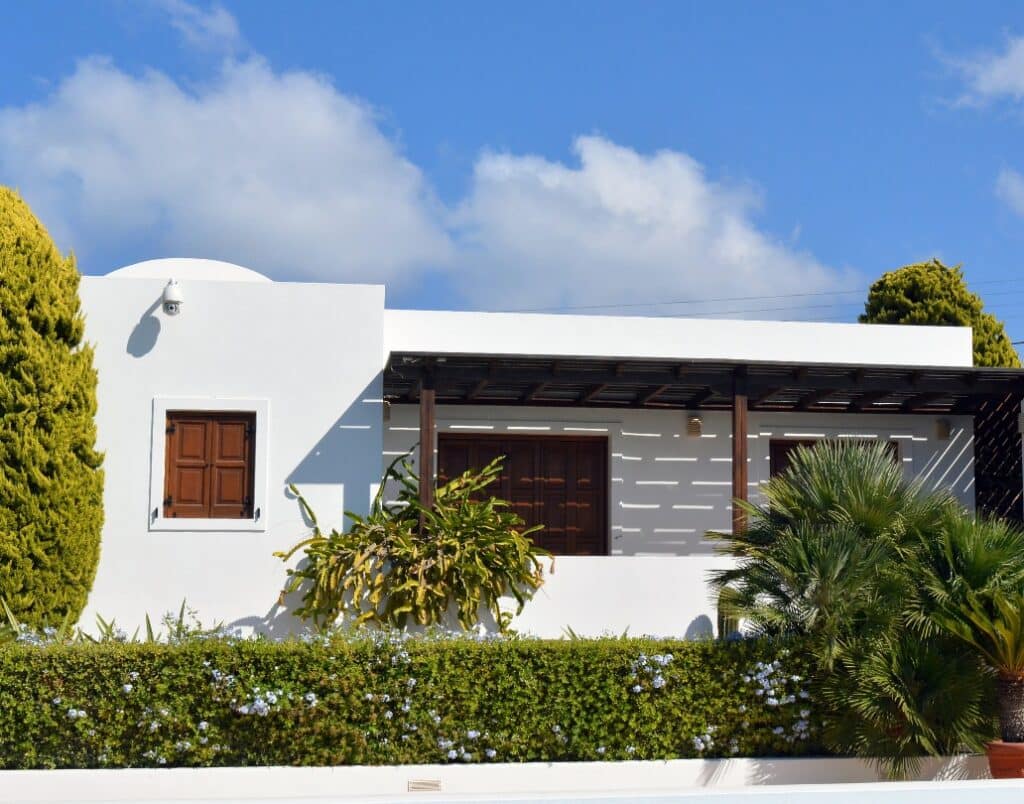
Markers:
point(384, 698)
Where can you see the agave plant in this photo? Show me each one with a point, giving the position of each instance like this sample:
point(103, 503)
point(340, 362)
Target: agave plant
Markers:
point(831, 556)
point(404, 563)
point(972, 588)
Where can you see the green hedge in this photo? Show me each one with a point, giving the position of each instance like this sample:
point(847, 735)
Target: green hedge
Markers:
point(386, 700)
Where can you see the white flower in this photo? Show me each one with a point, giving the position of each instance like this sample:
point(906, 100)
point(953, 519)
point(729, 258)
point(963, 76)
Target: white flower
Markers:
point(472, 734)
point(127, 688)
point(453, 754)
point(490, 753)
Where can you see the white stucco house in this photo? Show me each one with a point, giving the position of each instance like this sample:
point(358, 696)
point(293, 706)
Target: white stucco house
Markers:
point(620, 433)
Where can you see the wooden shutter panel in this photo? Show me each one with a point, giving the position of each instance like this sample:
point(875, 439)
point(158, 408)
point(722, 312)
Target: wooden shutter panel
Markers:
point(231, 479)
point(186, 483)
point(209, 465)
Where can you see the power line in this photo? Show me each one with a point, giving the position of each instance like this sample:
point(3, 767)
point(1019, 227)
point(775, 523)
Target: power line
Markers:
point(618, 305)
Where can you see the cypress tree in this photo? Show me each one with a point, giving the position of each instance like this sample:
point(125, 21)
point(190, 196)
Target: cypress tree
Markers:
point(932, 293)
point(51, 484)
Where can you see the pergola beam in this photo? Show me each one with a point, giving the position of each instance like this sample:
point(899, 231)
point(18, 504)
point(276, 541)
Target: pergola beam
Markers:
point(739, 450)
point(654, 394)
point(756, 384)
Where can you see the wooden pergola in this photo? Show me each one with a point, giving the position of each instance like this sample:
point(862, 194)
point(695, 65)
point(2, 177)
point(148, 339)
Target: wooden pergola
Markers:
point(991, 396)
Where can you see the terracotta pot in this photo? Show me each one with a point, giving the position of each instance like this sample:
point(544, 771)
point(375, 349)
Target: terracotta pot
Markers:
point(1005, 760)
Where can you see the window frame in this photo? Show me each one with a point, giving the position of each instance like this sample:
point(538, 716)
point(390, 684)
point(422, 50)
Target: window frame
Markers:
point(158, 463)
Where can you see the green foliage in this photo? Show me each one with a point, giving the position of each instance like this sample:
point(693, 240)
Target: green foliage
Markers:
point(971, 589)
point(932, 293)
point(832, 557)
point(51, 487)
point(404, 563)
point(382, 698)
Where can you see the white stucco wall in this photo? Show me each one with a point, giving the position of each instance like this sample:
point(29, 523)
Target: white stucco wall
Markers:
point(441, 332)
point(666, 491)
point(308, 359)
point(310, 353)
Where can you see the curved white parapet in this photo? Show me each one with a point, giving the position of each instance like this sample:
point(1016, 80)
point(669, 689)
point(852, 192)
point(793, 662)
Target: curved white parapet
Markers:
point(188, 268)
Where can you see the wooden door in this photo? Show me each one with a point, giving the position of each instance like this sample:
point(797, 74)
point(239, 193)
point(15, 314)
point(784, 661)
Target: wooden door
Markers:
point(555, 481)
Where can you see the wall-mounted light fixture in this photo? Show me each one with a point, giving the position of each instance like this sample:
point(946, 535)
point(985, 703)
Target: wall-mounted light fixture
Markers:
point(387, 410)
point(943, 429)
point(694, 425)
point(173, 298)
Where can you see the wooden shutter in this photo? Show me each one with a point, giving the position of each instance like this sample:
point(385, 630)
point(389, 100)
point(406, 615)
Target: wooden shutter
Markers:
point(209, 465)
point(780, 452)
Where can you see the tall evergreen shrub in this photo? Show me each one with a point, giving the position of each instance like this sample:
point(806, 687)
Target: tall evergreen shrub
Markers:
point(51, 484)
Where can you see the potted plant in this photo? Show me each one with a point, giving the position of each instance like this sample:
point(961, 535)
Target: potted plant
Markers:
point(973, 589)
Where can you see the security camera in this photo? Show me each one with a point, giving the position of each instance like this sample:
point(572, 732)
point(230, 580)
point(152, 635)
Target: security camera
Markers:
point(172, 298)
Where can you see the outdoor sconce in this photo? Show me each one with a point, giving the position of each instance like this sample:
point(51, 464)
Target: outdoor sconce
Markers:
point(942, 429)
point(694, 426)
point(172, 298)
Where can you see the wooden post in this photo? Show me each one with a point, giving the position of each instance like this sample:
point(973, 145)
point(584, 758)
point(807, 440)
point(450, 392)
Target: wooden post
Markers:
point(427, 429)
point(739, 448)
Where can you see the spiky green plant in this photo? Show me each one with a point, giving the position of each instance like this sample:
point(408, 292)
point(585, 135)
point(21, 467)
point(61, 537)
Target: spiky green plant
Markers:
point(972, 589)
point(404, 563)
point(830, 556)
point(51, 484)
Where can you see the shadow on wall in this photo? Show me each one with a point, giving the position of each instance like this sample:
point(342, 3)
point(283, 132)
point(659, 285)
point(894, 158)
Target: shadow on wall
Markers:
point(347, 455)
point(339, 472)
point(145, 333)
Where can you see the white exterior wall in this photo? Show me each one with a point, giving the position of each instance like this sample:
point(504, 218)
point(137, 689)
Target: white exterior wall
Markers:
point(235, 344)
point(611, 337)
point(666, 491)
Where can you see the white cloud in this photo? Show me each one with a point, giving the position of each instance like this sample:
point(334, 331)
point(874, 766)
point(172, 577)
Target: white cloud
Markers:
point(214, 29)
point(279, 172)
point(1010, 189)
point(993, 75)
point(282, 173)
point(622, 227)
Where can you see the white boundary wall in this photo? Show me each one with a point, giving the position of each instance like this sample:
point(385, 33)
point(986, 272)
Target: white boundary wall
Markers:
point(451, 782)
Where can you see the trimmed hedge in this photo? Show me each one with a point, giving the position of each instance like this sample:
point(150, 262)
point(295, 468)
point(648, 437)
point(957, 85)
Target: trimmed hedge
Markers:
point(389, 699)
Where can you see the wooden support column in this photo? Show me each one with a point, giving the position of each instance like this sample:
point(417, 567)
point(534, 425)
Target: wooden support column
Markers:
point(428, 428)
point(739, 448)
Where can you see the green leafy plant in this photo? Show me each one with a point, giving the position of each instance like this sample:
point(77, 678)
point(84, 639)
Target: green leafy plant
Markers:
point(373, 697)
point(972, 589)
point(833, 557)
point(404, 563)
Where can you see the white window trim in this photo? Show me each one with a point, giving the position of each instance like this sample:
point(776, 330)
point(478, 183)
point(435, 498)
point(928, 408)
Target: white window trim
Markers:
point(161, 406)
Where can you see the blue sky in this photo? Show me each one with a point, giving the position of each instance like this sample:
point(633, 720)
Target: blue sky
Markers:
point(531, 155)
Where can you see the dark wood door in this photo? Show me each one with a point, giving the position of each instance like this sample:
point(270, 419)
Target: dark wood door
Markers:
point(554, 481)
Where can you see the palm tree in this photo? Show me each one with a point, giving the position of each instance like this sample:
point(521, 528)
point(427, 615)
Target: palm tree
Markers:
point(827, 558)
point(972, 588)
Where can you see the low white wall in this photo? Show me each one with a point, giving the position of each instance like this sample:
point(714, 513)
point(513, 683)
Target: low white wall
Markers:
point(527, 779)
point(275, 343)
